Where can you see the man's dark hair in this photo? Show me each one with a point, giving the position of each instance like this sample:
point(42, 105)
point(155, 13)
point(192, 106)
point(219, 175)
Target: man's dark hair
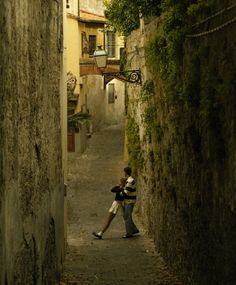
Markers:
point(127, 170)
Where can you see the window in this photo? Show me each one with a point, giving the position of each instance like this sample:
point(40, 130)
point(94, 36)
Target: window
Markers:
point(111, 93)
point(111, 44)
point(92, 44)
point(84, 43)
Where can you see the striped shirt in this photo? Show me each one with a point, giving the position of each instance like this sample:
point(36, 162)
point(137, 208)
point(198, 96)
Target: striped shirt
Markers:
point(129, 191)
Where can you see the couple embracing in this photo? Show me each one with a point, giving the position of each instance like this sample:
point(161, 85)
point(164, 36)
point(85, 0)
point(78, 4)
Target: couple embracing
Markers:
point(125, 197)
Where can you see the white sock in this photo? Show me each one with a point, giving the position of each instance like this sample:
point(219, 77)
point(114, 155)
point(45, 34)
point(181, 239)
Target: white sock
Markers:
point(100, 233)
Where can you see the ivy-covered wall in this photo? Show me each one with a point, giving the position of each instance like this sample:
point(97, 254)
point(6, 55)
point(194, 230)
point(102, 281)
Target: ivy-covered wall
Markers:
point(181, 126)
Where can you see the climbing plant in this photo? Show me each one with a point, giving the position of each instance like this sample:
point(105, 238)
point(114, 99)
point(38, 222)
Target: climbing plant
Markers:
point(189, 79)
point(147, 90)
point(149, 114)
point(134, 148)
point(165, 51)
point(124, 15)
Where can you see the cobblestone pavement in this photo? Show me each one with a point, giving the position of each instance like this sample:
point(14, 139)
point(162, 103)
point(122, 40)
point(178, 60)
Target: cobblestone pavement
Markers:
point(112, 260)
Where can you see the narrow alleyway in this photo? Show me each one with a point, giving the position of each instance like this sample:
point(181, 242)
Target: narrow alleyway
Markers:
point(112, 260)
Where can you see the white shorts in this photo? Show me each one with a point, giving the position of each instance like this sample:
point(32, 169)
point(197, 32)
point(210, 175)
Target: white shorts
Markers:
point(114, 207)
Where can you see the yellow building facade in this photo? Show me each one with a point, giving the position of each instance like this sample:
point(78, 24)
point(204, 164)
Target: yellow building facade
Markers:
point(72, 45)
point(85, 31)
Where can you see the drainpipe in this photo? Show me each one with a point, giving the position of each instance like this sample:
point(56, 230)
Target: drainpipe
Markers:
point(104, 39)
point(63, 110)
point(63, 96)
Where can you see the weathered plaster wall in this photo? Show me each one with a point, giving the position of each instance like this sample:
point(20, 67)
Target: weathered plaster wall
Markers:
point(103, 113)
point(95, 99)
point(186, 176)
point(31, 181)
point(115, 111)
point(95, 7)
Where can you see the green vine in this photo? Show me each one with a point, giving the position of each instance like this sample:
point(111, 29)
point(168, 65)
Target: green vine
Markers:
point(133, 146)
point(149, 119)
point(147, 91)
point(165, 51)
point(202, 7)
point(123, 60)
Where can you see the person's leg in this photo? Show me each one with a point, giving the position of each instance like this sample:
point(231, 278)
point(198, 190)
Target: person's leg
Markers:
point(133, 226)
point(129, 223)
point(128, 208)
point(110, 217)
point(112, 213)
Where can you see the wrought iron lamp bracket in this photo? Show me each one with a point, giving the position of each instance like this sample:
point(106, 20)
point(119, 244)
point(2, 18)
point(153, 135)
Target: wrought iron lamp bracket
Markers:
point(131, 76)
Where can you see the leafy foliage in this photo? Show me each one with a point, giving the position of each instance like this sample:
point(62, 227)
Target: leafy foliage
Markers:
point(76, 119)
point(124, 15)
point(165, 52)
point(148, 7)
point(202, 6)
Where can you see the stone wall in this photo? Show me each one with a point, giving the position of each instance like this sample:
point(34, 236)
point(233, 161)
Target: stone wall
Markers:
point(31, 181)
point(186, 174)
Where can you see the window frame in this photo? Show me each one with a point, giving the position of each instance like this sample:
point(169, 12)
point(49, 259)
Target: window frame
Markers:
point(111, 44)
point(92, 44)
point(111, 93)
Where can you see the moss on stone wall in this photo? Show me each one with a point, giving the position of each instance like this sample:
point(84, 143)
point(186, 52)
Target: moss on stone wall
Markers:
point(134, 149)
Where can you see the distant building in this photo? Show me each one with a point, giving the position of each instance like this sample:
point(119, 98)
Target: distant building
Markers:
point(105, 102)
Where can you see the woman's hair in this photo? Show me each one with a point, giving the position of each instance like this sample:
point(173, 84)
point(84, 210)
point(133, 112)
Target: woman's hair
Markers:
point(127, 170)
point(123, 181)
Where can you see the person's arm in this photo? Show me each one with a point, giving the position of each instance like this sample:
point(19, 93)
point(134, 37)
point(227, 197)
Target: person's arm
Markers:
point(130, 186)
point(116, 189)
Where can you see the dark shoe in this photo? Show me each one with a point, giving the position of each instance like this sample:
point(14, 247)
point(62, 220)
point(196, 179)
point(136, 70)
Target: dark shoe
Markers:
point(97, 235)
point(127, 236)
point(136, 232)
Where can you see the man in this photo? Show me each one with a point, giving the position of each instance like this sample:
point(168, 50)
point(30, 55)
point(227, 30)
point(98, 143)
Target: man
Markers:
point(129, 193)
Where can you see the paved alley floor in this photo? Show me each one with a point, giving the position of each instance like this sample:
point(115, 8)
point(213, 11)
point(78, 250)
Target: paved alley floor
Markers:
point(111, 260)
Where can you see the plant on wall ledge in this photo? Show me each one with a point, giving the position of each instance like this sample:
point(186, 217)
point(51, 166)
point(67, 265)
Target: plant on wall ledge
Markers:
point(75, 121)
